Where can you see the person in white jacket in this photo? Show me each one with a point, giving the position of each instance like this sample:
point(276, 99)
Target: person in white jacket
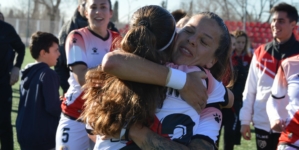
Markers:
point(286, 86)
point(263, 68)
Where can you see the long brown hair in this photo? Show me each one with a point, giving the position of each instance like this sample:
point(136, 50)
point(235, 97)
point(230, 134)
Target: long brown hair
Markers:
point(116, 101)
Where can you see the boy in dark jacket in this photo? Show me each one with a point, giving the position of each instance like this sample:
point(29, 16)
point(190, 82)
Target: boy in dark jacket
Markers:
point(39, 106)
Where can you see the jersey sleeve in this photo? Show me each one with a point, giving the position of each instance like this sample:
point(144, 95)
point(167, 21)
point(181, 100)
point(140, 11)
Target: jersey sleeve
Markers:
point(249, 93)
point(279, 87)
point(278, 93)
point(209, 123)
point(75, 49)
point(217, 92)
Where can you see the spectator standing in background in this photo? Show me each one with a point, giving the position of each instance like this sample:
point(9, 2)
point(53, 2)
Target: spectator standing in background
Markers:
point(286, 86)
point(1, 16)
point(39, 107)
point(264, 65)
point(241, 61)
point(229, 118)
point(10, 42)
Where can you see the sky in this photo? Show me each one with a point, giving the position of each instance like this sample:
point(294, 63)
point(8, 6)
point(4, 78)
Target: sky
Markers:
point(124, 8)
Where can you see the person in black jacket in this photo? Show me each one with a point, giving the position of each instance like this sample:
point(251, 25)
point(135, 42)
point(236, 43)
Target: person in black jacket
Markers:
point(1, 16)
point(10, 42)
point(77, 21)
point(39, 107)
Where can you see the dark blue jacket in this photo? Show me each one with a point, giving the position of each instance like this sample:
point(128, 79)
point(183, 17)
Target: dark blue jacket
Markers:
point(10, 42)
point(39, 107)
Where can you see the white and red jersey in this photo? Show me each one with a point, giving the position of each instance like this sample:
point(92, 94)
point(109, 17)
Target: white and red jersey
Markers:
point(263, 68)
point(178, 121)
point(83, 46)
point(286, 87)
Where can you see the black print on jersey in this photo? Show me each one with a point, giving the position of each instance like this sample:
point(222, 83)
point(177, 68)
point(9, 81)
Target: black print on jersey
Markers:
point(74, 40)
point(217, 117)
point(178, 123)
point(95, 51)
point(176, 92)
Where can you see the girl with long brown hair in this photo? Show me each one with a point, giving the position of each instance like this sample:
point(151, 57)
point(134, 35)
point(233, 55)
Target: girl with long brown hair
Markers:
point(174, 107)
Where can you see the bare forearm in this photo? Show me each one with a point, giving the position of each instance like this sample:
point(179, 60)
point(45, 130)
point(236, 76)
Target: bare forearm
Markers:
point(200, 144)
point(79, 73)
point(134, 68)
point(148, 140)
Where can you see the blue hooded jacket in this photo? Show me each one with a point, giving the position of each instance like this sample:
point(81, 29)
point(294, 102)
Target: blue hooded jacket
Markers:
point(39, 107)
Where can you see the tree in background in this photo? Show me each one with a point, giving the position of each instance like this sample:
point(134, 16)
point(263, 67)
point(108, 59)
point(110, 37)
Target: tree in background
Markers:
point(231, 9)
point(115, 12)
point(164, 4)
point(52, 7)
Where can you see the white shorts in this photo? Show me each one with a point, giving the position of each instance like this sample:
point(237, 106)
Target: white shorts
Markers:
point(71, 135)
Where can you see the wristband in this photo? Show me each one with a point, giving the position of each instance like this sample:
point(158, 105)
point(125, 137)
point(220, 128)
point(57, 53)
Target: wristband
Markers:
point(176, 79)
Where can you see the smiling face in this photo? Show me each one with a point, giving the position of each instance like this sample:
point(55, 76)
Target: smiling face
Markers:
point(281, 26)
point(197, 42)
point(98, 13)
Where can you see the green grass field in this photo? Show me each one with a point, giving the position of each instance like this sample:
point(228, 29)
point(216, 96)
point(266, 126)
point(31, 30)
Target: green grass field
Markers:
point(245, 145)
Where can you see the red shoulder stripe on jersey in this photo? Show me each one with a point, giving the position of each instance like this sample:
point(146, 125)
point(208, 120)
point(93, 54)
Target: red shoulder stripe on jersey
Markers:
point(265, 70)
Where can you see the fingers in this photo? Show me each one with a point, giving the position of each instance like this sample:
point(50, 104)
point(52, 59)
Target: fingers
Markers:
point(202, 75)
point(245, 131)
point(198, 108)
point(248, 135)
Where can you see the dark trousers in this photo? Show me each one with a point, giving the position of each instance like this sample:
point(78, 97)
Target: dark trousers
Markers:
point(230, 124)
point(6, 134)
point(266, 140)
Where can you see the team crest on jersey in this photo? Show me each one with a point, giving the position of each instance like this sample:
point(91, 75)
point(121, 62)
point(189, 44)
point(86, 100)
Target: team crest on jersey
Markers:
point(261, 143)
point(217, 117)
point(95, 51)
point(74, 40)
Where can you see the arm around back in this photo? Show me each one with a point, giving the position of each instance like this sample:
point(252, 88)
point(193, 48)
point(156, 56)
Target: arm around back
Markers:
point(131, 67)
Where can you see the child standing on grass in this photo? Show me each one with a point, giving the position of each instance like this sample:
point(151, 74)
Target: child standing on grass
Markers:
point(39, 106)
